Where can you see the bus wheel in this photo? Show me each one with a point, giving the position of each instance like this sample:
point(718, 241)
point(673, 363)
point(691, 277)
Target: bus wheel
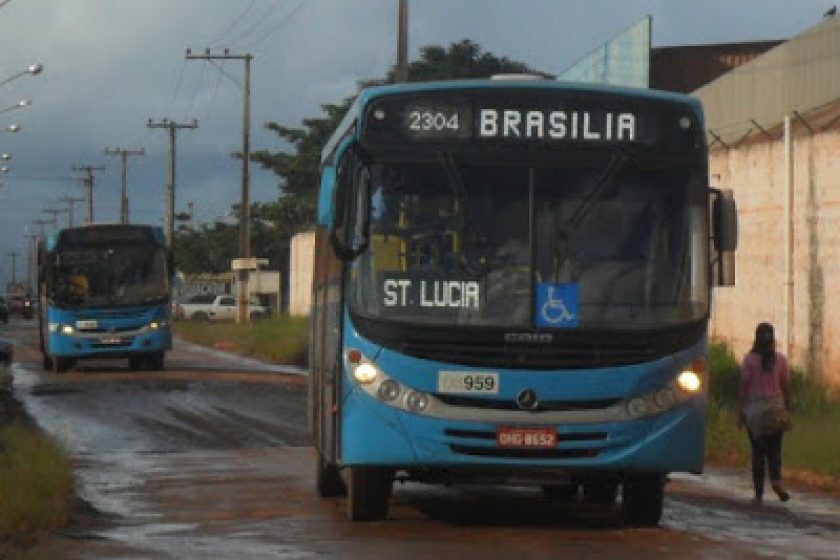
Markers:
point(599, 493)
point(155, 361)
point(328, 480)
point(642, 500)
point(368, 491)
point(61, 365)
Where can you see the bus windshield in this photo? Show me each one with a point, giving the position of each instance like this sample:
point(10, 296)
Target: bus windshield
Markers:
point(611, 244)
point(104, 275)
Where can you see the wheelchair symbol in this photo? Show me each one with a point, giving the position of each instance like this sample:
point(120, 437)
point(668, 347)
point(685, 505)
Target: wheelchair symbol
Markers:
point(554, 310)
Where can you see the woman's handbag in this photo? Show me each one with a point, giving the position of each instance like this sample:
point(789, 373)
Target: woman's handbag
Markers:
point(775, 420)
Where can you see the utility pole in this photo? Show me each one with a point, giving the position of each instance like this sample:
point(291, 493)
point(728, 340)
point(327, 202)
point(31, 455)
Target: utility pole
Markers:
point(123, 153)
point(402, 43)
point(89, 181)
point(14, 255)
point(55, 212)
point(31, 275)
point(172, 126)
point(242, 309)
point(42, 223)
point(71, 202)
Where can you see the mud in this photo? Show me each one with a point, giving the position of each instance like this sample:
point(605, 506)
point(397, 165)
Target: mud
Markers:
point(209, 459)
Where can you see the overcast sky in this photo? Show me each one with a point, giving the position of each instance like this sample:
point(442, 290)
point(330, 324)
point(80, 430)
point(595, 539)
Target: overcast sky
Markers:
point(110, 65)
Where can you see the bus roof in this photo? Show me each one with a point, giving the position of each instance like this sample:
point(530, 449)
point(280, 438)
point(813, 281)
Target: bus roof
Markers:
point(52, 239)
point(354, 113)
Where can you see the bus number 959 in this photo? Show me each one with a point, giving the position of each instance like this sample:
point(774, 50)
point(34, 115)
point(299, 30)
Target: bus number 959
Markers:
point(468, 382)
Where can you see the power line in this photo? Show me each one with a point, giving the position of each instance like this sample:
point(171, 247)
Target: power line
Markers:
point(261, 20)
point(283, 21)
point(230, 27)
point(188, 110)
point(215, 92)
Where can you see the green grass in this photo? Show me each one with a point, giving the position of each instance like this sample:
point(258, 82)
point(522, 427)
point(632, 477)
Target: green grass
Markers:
point(810, 445)
point(36, 483)
point(281, 339)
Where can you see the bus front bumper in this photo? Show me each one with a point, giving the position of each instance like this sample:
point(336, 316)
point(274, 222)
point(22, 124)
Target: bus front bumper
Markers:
point(110, 345)
point(376, 434)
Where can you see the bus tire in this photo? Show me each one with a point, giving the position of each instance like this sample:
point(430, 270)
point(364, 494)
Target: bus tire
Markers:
point(642, 500)
point(599, 492)
point(155, 361)
point(328, 481)
point(368, 492)
point(61, 365)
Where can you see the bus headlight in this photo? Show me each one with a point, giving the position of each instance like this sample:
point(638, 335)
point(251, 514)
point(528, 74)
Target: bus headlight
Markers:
point(362, 370)
point(155, 325)
point(417, 401)
point(67, 329)
point(689, 381)
point(53, 327)
point(637, 407)
point(388, 390)
point(365, 373)
point(665, 398)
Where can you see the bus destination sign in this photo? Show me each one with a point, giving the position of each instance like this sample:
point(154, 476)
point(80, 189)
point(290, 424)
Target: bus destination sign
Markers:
point(432, 121)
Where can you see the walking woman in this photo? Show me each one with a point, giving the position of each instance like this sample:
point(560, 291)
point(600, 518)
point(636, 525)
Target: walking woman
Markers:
point(765, 390)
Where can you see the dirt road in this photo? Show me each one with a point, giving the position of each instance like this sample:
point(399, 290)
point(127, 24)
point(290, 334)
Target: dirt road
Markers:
point(209, 459)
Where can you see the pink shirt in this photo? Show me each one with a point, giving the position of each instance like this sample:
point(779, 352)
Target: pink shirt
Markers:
point(757, 383)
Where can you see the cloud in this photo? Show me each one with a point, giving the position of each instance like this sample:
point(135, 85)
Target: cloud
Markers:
point(111, 65)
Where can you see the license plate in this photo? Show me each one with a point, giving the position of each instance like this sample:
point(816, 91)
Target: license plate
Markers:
point(85, 325)
point(110, 340)
point(484, 383)
point(527, 438)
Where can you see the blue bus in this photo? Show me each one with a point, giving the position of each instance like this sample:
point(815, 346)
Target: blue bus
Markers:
point(512, 285)
point(105, 292)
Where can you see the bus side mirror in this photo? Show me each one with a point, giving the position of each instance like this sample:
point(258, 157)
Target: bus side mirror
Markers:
point(725, 222)
point(724, 236)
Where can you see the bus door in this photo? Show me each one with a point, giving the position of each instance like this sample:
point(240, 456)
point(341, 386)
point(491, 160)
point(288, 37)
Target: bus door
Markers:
point(326, 353)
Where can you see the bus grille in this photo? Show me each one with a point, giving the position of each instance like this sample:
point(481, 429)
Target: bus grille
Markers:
point(510, 404)
point(543, 357)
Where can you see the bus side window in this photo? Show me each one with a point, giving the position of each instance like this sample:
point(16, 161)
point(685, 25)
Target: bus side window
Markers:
point(351, 205)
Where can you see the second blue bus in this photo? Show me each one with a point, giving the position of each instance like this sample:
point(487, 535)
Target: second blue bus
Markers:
point(105, 292)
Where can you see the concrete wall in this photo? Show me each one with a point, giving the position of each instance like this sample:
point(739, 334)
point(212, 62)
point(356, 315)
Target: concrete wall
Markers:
point(301, 256)
point(756, 173)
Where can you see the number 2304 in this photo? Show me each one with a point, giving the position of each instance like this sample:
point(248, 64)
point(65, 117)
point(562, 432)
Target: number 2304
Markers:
point(432, 121)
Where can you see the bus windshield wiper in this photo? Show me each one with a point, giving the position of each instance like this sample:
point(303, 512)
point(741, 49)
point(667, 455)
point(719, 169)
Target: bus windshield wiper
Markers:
point(614, 167)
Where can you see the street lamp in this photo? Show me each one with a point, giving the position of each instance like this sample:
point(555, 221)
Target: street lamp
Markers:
point(19, 105)
point(5, 157)
point(12, 128)
point(33, 69)
point(4, 169)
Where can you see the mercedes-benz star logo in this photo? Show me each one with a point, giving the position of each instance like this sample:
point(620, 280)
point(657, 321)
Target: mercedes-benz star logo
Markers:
point(527, 399)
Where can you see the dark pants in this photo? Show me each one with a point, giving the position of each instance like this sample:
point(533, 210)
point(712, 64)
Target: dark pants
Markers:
point(766, 449)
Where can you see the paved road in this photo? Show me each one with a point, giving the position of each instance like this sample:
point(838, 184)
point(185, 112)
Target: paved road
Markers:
point(208, 459)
